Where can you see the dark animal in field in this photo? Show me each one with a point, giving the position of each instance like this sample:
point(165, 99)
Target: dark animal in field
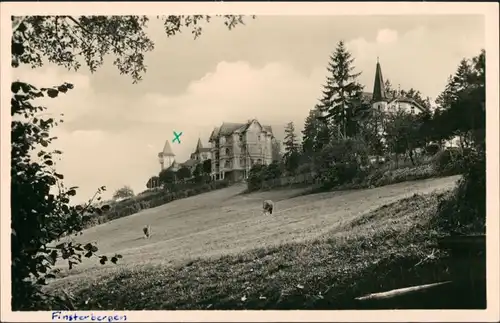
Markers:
point(147, 231)
point(267, 207)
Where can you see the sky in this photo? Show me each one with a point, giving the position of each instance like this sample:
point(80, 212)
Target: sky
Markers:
point(271, 69)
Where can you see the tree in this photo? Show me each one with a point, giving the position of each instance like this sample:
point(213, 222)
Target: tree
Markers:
point(390, 92)
point(291, 156)
point(272, 171)
point(207, 167)
point(183, 173)
point(371, 132)
point(256, 177)
point(340, 161)
point(198, 173)
point(167, 177)
point(315, 133)
point(275, 150)
point(290, 142)
point(63, 40)
point(342, 92)
point(124, 192)
point(402, 133)
point(461, 106)
point(40, 217)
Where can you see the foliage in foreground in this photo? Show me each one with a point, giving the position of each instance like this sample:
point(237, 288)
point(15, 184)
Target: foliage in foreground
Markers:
point(40, 210)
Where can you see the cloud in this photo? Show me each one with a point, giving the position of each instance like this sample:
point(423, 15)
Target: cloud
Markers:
point(113, 141)
point(236, 91)
point(421, 58)
point(387, 36)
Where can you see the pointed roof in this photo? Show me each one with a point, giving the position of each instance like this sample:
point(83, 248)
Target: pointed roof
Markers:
point(167, 151)
point(214, 134)
point(411, 101)
point(228, 128)
point(199, 146)
point(378, 86)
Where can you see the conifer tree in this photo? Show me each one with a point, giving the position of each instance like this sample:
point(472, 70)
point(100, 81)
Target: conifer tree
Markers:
point(315, 132)
point(461, 105)
point(342, 91)
point(290, 142)
point(291, 156)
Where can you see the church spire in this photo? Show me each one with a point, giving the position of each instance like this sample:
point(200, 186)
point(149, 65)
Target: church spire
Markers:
point(378, 86)
point(199, 146)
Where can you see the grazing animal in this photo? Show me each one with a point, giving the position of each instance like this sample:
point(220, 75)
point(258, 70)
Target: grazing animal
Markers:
point(267, 207)
point(147, 231)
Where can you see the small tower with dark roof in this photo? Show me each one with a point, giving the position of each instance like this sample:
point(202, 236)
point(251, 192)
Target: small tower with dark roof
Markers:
point(199, 146)
point(166, 156)
point(379, 98)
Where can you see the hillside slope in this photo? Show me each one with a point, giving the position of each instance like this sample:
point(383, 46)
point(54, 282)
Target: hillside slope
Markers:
point(224, 222)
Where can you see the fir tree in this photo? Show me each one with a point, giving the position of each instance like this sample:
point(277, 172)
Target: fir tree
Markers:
point(342, 91)
point(291, 156)
point(461, 110)
point(315, 132)
point(290, 141)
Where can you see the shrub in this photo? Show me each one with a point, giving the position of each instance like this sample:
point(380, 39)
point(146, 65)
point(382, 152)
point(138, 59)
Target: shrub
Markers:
point(432, 149)
point(390, 176)
point(305, 168)
point(256, 177)
point(451, 161)
point(464, 211)
point(340, 161)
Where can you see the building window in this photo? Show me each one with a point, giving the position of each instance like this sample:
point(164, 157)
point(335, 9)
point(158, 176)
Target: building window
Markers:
point(227, 164)
point(259, 161)
point(241, 137)
point(242, 161)
point(228, 151)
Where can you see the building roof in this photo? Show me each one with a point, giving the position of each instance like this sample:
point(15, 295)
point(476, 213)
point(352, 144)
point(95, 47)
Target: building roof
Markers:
point(411, 101)
point(379, 86)
point(228, 128)
point(200, 148)
point(167, 150)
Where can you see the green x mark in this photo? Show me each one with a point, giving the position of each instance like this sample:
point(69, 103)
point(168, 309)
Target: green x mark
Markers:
point(177, 136)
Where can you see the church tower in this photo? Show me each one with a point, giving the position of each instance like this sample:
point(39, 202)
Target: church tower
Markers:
point(166, 157)
point(379, 99)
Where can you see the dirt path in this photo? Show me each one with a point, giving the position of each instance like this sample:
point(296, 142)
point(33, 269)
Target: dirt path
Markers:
point(223, 222)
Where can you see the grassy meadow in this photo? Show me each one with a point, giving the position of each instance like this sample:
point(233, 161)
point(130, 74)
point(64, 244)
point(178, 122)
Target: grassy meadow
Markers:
point(217, 251)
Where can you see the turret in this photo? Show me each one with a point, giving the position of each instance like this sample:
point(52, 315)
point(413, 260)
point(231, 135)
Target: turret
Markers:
point(379, 99)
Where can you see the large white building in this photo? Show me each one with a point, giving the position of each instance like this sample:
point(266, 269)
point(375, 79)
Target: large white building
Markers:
point(236, 147)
